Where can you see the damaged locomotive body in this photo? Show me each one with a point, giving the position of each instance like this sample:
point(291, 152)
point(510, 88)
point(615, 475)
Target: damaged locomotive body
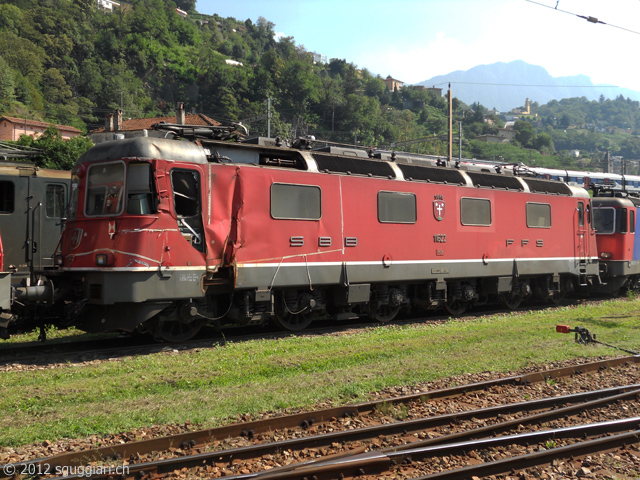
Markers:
point(166, 235)
point(134, 247)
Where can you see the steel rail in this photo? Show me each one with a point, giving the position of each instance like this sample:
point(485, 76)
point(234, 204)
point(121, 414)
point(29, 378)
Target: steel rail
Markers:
point(304, 419)
point(376, 463)
point(37, 353)
point(590, 400)
point(543, 457)
point(34, 352)
point(602, 399)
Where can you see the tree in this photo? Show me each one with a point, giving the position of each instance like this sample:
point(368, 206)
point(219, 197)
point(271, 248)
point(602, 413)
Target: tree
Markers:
point(478, 112)
point(186, 5)
point(542, 142)
point(7, 83)
point(525, 132)
point(22, 55)
point(59, 97)
point(57, 153)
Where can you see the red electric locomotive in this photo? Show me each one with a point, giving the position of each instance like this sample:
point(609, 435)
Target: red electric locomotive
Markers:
point(165, 235)
point(614, 219)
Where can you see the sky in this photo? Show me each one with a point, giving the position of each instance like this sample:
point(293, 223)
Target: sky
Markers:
point(414, 40)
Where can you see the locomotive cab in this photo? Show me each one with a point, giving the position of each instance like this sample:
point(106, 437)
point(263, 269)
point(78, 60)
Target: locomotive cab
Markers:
point(615, 220)
point(134, 250)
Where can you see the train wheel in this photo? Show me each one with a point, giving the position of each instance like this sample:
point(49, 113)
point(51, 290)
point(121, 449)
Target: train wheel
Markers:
point(557, 298)
point(174, 331)
point(512, 300)
point(385, 313)
point(456, 307)
point(294, 322)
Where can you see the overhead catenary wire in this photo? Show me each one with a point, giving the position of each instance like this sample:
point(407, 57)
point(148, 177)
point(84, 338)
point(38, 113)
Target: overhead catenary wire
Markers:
point(588, 18)
point(525, 85)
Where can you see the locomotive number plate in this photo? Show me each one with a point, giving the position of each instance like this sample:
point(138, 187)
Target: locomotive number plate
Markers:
point(440, 238)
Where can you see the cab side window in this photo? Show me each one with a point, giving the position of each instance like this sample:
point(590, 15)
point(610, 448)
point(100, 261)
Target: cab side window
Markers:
point(55, 201)
point(187, 205)
point(7, 195)
point(139, 189)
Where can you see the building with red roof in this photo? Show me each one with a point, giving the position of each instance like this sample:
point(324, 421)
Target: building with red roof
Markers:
point(12, 127)
point(142, 127)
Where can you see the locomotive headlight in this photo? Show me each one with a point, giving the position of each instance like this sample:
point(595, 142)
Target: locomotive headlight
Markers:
point(104, 259)
point(59, 260)
point(605, 255)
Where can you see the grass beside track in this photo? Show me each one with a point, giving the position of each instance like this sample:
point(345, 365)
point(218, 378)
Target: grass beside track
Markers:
point(210, 386)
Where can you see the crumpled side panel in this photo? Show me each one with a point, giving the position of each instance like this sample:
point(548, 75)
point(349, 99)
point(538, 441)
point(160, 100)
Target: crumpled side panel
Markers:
point(262, 239)
point(220, 230)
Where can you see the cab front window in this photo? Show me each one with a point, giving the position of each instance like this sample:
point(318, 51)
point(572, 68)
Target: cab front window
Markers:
point(105, 184)
point(140, 198)
point(604, 220)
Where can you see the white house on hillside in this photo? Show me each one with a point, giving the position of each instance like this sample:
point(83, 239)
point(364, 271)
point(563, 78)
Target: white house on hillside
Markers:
point(107, 5)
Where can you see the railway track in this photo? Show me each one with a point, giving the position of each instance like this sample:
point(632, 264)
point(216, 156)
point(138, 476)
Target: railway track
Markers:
point(115, 345)
point(446, 433)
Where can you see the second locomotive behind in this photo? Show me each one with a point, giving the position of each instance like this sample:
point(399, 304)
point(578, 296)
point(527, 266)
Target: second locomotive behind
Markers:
point(165, 235)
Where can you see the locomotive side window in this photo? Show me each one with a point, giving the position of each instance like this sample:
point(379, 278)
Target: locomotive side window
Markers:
point(55, 201)
point(139, 190)
point(604, 220)
point(7, 197)
point(295, 202)
point(475, 212)
point(580, 214)
point(396, 207)
point(621, 220)
point(538, 215)
point(105, 182)
point(632, 221)
point(73, 203)
point(186, 187)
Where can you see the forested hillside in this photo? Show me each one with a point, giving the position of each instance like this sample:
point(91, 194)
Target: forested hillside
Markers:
point(67, 62)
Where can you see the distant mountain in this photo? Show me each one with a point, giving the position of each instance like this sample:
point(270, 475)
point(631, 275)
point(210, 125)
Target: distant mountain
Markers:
point(505, 86)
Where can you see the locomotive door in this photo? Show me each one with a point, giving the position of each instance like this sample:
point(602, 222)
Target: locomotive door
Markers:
point(582, 234)
point(50, 221)
point(187, 202)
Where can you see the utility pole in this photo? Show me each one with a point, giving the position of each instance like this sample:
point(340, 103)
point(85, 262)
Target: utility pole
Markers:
point(460, 143)
point(450, 154)
point(268, 117)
